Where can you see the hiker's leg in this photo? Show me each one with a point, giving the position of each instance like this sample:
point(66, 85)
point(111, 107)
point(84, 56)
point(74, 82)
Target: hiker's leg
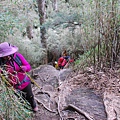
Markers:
point(60, 67)
point(29, 95)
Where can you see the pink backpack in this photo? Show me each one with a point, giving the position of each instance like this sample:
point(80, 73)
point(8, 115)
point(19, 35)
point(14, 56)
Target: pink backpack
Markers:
point(64, 62)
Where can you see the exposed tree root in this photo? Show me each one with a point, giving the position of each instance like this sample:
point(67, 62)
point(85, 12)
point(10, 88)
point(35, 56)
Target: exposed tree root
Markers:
point(70, 118)
point(79, 111)
point(44, 106)
point(58, 103)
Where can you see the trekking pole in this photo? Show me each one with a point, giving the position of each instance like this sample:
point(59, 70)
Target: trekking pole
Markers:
point(32, 80)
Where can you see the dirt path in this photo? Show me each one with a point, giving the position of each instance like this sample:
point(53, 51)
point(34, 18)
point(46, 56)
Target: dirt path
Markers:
point(73, 96)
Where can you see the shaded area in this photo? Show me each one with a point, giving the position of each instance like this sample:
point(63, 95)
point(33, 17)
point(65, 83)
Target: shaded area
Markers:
point(88, 101)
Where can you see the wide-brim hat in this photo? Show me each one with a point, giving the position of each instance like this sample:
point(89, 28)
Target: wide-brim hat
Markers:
point(7, 49)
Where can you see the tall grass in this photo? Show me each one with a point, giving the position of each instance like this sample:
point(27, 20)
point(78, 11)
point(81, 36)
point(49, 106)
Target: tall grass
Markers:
point(12, 105)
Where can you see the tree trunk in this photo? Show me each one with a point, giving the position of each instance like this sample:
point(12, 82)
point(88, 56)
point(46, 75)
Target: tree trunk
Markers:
point(42, 15)
point(66, 1)
point(41, 10)
point(29, 31)
point(54, 4)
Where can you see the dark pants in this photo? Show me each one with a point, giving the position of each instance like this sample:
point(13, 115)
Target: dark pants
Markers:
point(61, 67)
point(28, 95)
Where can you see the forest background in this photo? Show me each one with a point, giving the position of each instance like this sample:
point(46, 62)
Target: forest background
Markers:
point(88, 29)
point(43, 29)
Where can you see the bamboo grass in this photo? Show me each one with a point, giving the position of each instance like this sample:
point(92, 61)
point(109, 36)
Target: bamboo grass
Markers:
point(12, 105)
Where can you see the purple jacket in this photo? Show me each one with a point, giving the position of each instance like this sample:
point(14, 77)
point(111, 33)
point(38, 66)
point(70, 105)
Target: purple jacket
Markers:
point(19, 80)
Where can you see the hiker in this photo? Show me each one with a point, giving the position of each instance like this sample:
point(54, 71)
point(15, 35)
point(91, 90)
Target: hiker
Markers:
point(17, 66)
point(64, 60)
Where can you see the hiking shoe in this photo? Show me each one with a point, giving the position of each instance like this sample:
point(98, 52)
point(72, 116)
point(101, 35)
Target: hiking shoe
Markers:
point(35, 109)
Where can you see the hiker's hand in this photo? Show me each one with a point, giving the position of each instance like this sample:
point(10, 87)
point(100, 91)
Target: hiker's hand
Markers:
point(24, 68)
point(10, 69)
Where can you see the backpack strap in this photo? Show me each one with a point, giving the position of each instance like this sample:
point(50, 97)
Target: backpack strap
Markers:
point(23, 81)
point(17, 59)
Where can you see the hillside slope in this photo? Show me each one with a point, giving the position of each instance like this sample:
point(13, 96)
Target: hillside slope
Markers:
point(76, 95)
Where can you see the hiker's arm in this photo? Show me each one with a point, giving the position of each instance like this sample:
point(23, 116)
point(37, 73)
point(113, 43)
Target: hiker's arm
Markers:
point(25, 65)
point(67, 57)
point(10, 69)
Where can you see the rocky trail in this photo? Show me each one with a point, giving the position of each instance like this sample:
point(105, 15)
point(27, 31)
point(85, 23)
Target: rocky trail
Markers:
point(69, 95)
